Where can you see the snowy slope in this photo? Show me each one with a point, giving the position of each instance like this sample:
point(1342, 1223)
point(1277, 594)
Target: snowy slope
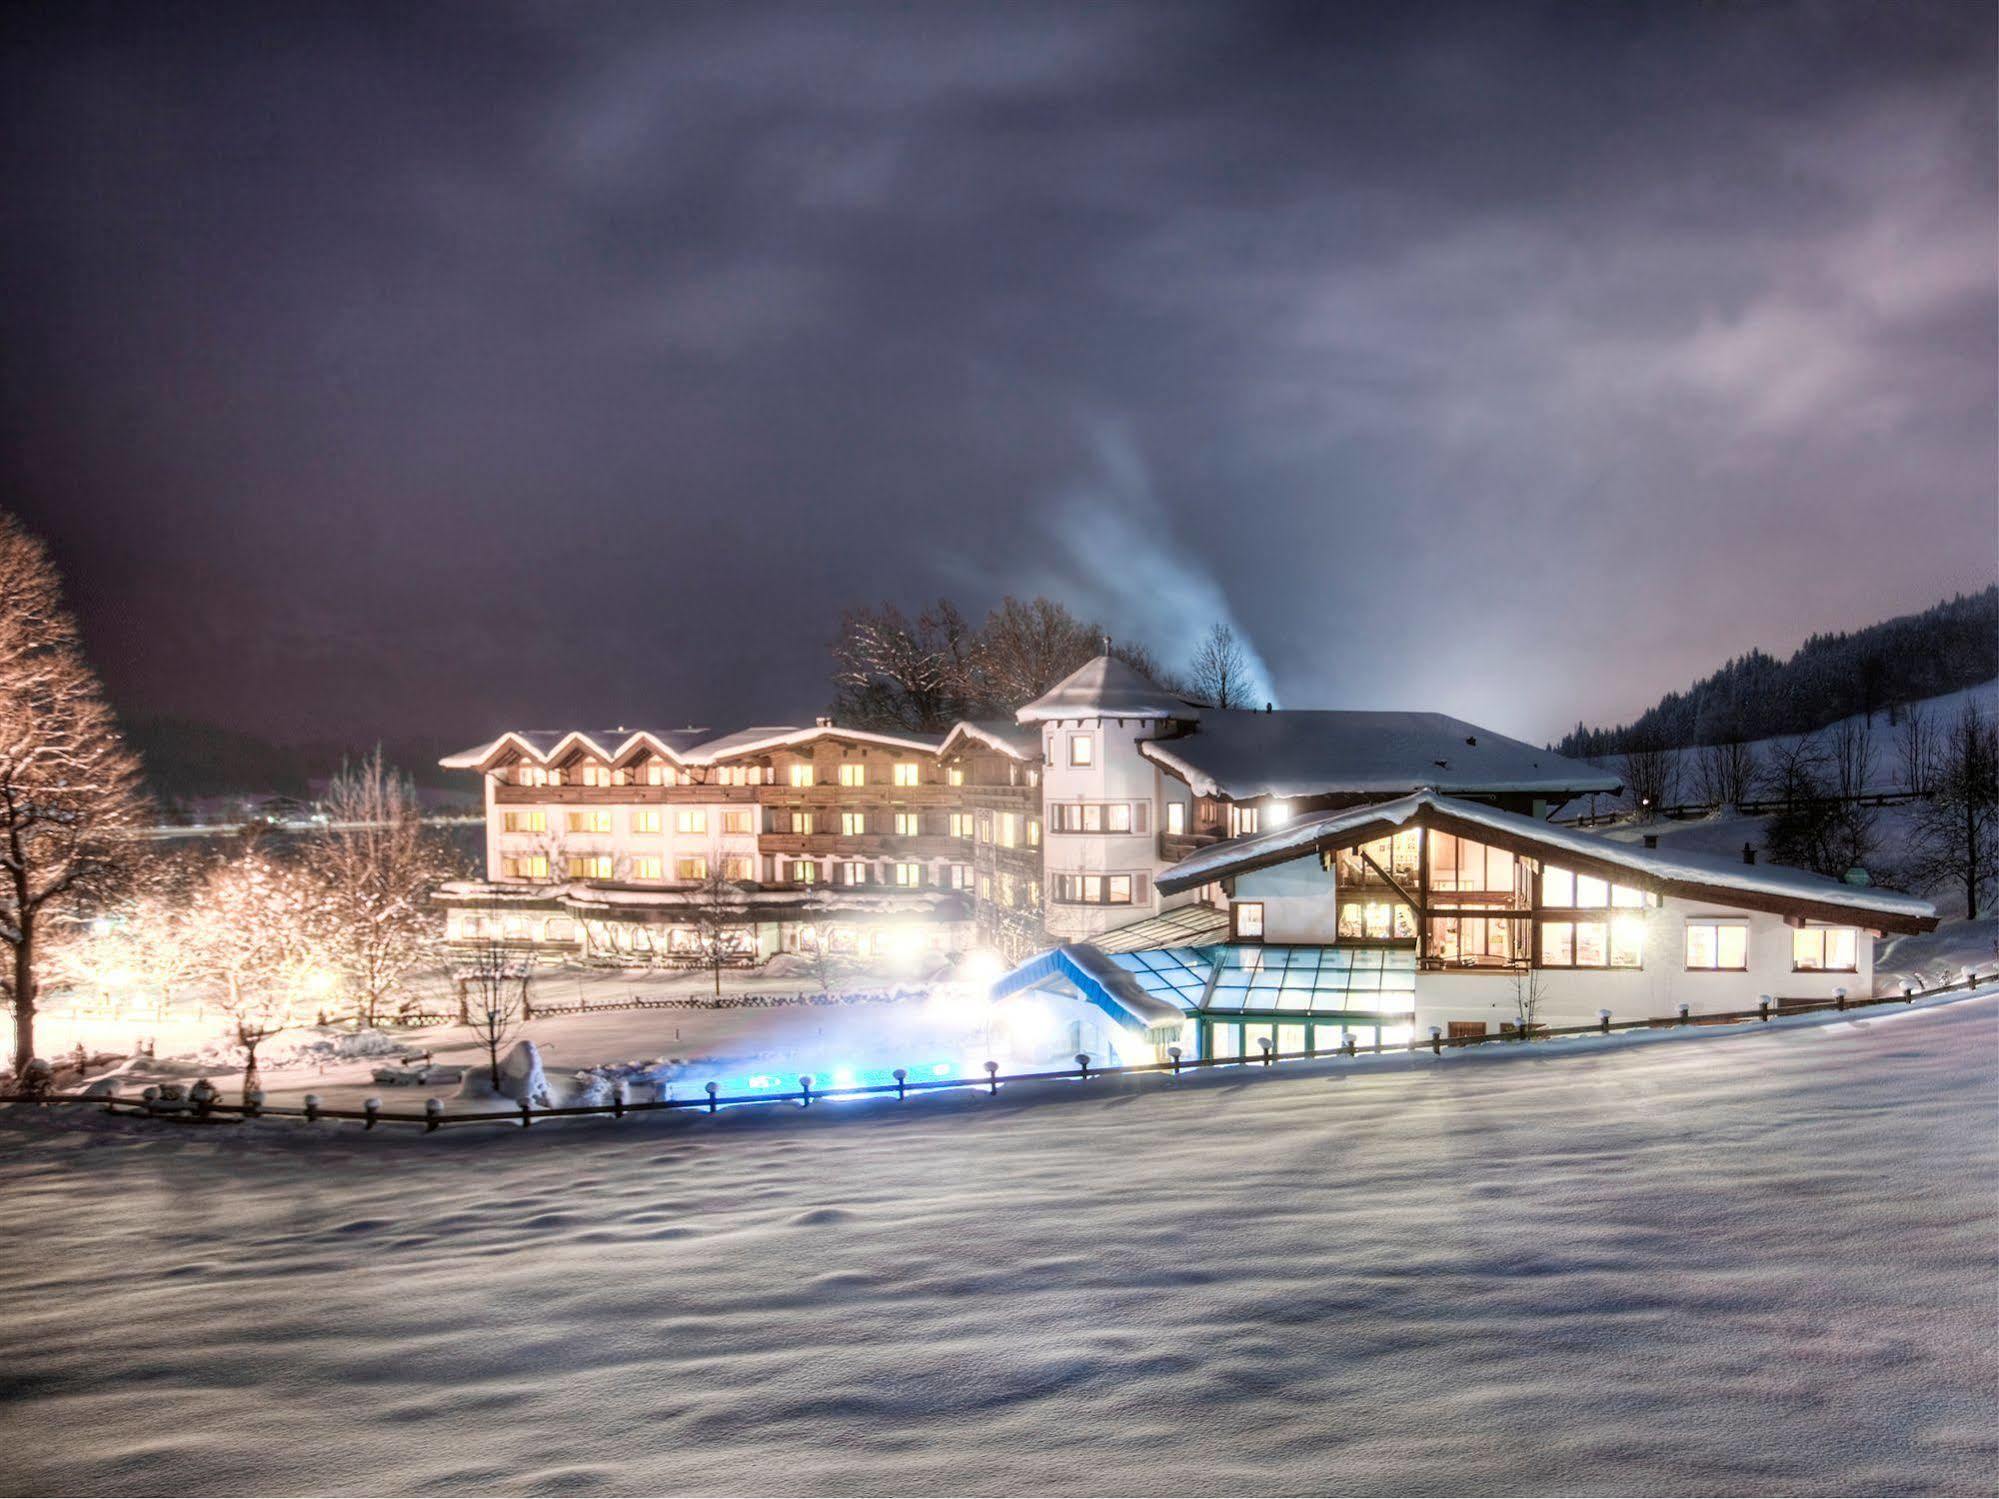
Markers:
point(1699, 1263)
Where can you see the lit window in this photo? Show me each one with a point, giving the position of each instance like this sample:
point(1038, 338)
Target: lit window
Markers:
point(1591, 892)
point(1117, 890)
point(1242, 820)
point(739, 822)
point(961, 824)
point(589, 822)
point(1082, 749)
point(1624, 895)
point(961, 876)
point(1034, 832)
point(738, 867)
point(909, 874)
point(906, 824)
point(645, 822)
point(906, 773)
point(648, 869)
point(1009, 830)
point(525, 822)
point(1276, 814)
point(955, 776)
point(690, 867)
point(525, 867)
point(1558, 888)
point(1718, 944)
point(854, 773)
point(1627, 941)
point(1117, 817)
point(1248, 918)
point(691, 820)
point(590, 867)
point(853, 824)
point(854, 872)
point(1176, 817)
point(656, 773)
point(801, 774)
point(804, 872)
point(1823, 949)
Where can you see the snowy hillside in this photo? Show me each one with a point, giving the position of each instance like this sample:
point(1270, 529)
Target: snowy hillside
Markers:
point(1695, 1263)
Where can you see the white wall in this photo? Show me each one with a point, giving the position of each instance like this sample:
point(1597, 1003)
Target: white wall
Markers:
point(1574, 996)
point(1118, 774)
point(1298, 901)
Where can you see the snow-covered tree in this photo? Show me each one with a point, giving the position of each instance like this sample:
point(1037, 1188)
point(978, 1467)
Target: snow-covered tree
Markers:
point(255, 930)
point(891, 672)
point(1651, 776)
point(1220, 671)
point(718, 909)
point(69, 787)
point(376, 865)
point(1725, 774)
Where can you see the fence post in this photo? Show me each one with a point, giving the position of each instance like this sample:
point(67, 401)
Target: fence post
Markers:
point(433, 1114)
point(1763, 1006)
point(1083, 1064)
point(1437, 1040)
point(619, 1089)
point(805, 1090)
point(1353, 1044)
point(372, 1107)
point(712, 1089)
point(1603, 1021)
point(1684, 1008)
point(901, 1076)
point(992, 1078)
point(312, 1108)
point(1173, 1056)
point(253, 1103)
point(527, 1115)
point(1264, 1042)
point(1908, 992)
point(1839, 998)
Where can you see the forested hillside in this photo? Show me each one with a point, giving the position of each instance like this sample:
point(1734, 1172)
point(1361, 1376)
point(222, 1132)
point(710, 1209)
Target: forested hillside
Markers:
point(1951, 646)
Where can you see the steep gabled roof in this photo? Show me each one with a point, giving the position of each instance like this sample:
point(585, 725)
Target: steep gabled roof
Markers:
point(1325, 752)
point(1105, 687)
point(1770, 887)
point(1019, 741)
point(682, 746)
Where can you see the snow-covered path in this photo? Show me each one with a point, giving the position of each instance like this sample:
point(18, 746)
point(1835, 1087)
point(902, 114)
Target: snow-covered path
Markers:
point(1739, 1263)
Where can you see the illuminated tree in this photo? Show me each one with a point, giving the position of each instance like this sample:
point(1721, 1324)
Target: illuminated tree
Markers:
point(255, 927)
point(376, 865)
point(69, 787)
point(718, 909)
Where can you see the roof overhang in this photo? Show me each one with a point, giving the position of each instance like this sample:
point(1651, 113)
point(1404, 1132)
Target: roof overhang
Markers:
point(1813, 899)
point(1201, 783)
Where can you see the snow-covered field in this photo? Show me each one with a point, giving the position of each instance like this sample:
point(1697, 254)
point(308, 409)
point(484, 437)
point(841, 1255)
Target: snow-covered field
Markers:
point(1712, 1262)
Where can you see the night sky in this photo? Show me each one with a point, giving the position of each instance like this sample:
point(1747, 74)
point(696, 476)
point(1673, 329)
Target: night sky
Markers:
point(435, 369)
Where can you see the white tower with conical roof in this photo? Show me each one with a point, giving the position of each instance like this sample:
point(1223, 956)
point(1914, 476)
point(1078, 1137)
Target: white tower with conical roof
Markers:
point(1100, 799)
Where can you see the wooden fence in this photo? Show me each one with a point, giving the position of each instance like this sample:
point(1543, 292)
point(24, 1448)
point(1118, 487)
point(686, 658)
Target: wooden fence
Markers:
point(433, 1117)
point(1755, 806)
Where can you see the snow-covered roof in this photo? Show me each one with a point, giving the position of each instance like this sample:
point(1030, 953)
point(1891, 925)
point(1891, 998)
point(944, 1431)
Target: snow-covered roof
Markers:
point(682, 746)
point(1105, 687)
point(1671, 871)
point(581, 895)
point(1324, 752)
point(1020, 741)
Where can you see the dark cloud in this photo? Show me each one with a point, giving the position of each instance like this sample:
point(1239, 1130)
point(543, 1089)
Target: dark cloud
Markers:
point(446, 367)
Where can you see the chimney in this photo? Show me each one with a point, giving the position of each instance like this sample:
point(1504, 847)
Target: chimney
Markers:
point(1651, 840)
point(1749, 853)
point(823, 721)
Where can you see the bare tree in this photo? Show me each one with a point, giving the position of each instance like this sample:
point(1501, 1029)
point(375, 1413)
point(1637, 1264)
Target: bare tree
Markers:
point(1651, 774)
point(1725, 774)
point(1529, 991)
point(1916, 747)
point(377, 865)
point(1955, 832)
point(493, 994)
point(891, 672)
point(719, 911)
point(69, 788)
point(1810, 828)
point(1850, 751)
point(1026, 648)
point(1220, 672)
point(820, 961)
